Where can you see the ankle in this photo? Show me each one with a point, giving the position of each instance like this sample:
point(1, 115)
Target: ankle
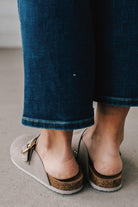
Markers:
point(110, 122)
point(55, 142)
point(50, 138)
point(103, 135)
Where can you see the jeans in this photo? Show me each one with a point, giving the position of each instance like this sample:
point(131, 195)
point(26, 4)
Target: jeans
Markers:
point(76, 52)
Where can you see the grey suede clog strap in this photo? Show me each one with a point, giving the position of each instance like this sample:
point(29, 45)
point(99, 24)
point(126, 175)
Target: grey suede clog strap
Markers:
point(27, 150)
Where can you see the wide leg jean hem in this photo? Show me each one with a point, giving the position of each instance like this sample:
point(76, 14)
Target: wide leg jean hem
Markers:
point(59, 125)
point(117, 101)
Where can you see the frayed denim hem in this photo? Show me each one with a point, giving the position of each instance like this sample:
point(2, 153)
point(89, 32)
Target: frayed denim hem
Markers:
point(59, 125)
point(116, 101)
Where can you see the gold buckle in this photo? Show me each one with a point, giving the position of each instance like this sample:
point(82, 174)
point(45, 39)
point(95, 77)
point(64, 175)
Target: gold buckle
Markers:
point(75, 152)
point(29, 145)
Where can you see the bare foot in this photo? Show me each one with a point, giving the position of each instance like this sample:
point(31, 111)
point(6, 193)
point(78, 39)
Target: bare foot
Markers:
point(104, 152)
point(56, 154)
point(103, 139)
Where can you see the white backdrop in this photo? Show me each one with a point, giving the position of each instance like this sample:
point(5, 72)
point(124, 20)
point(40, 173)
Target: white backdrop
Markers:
point(9, 24)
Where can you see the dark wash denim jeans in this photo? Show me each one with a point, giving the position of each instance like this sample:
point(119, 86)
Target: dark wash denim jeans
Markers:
point(76, 52)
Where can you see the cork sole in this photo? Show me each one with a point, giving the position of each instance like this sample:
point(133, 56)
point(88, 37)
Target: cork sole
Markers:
point(104, 183)
point(69, 184)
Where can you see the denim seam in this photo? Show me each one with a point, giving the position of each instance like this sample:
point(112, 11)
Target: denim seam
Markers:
point(117, 98)
point(56, 122)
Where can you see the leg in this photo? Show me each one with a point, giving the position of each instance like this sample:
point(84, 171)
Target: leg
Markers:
point(116, 78)
point(54, 148)
point(103, 139)
point(58, 52)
